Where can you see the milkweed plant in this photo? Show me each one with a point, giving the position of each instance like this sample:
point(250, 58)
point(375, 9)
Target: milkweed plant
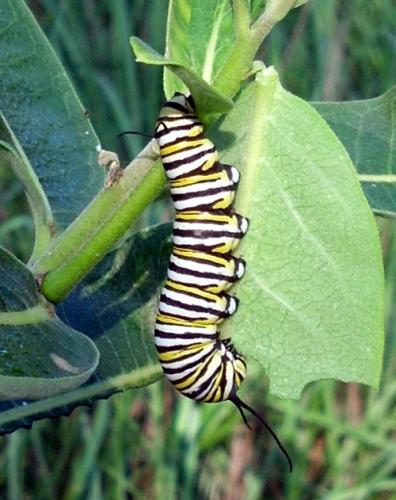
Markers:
point(76, 320)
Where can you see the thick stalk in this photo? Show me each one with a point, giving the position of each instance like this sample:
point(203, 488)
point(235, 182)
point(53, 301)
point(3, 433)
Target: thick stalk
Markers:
point(242, 18)
point(100, 225)
point(275, 11)
point(236, 67)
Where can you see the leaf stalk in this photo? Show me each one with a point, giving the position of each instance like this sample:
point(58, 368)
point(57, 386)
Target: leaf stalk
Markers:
point(100, 225)
point(248, 40)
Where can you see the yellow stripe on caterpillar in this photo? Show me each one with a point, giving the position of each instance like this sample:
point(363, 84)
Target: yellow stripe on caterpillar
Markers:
point(180, 145)
point(194, 291)
point(194, 179)
point(181, 353)
point(207, 216)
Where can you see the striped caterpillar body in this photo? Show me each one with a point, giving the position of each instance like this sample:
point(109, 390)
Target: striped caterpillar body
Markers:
point(194, 300)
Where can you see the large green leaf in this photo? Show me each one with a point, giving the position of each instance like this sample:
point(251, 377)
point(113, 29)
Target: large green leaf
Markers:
point(39, 355)
point(45, 115)
point(115, 307)
point(312, 297)
point(368, 131)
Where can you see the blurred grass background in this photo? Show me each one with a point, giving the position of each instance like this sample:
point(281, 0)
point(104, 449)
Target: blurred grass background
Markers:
point(150, 443)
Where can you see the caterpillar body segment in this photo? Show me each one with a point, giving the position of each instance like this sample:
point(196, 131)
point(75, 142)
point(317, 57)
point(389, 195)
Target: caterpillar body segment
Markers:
point(214, 232)
point(196, 304)
point(177, 336)
point(219, 370)
point(214, 189)
point(209, 271)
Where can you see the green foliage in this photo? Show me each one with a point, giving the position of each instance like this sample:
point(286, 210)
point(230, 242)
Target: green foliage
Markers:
point(294, 173)
point(199, 36)
point(45, 117)
point(39, 355)
point(308, 294)
point(63, 141)
point(118, 317)
point(367, 130)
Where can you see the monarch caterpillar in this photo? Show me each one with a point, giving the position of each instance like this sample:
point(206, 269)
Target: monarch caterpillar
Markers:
point(194, 300)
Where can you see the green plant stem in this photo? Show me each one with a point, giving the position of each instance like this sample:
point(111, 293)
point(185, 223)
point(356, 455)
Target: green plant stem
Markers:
point(100, 225)
point(242, 17)
point(236, 67)
point(248, 41)
point(34, 314)
point(275, 11)
point(15, 480)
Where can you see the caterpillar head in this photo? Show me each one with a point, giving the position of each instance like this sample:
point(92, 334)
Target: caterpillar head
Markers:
point(179, 105)
point(177, 114)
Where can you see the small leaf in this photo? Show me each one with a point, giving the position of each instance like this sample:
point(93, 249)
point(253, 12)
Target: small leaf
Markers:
point(311, 302)
point(206, 98)
point(45, 115)
point(367, 129)
point(39, 355)
point(115, 306)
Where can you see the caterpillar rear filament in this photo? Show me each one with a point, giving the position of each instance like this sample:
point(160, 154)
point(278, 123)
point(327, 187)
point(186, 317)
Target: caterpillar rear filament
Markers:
point(194, 301)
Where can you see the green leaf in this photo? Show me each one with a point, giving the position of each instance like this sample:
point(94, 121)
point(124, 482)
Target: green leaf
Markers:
point(312, 297)
point(115, 306)
point(177, 44)
point(217, 39)
point(45, 115)
point(39, 355)
point(202, 35)
point(207, 99)
point(368, 131)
